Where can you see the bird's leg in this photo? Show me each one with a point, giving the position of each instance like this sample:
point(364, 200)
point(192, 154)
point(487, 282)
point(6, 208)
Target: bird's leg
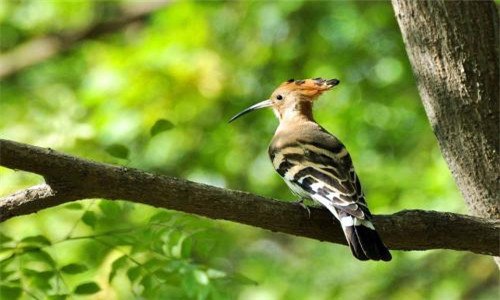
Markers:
point(301, 203)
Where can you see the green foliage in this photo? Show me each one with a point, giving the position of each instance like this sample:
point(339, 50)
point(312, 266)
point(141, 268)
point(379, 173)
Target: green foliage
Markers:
point(118, 151)
point(87, 288)
point(160, 255)
point(115, 99)
point(74, 268)
point(160, 126)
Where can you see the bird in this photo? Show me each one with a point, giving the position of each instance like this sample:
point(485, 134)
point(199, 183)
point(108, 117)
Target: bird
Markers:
point(316, 165)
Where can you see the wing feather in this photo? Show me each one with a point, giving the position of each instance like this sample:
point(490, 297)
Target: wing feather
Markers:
point(323, 173)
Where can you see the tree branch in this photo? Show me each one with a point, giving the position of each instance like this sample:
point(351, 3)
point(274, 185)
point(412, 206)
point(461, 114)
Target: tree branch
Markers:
point(42, 48)
point(70, 178)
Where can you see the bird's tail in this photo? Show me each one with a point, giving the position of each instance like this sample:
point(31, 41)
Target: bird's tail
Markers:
point(364, 240)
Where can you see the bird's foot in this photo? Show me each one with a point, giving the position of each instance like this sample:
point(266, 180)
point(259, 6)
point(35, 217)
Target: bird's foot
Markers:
point(301, 203)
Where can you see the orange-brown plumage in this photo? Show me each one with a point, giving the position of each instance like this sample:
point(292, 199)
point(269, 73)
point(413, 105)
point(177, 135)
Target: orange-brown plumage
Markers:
point(311, 88)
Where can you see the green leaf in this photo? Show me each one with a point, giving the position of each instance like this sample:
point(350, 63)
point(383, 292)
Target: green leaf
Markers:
point(118, 151)
point(133, 273)
point(73, 206)
point(57, 297)
point(87, 288)
point(116, 265)
point(187, 247)
point(74, 269)
point(110, 208)
point(175, 266)
point(4, 239)
point(213, 273)
point(37, 240)
point(201, 277)
point(40, 280)
point(10, 292)
point(176, 249)
point(242, 279)
point(7, 253)
point(165, 276)
point(153, 264)
point(161, 217)
point(150, 287)
point(89, 218)
point(38, 255)
point(190, 285)
point(161, 125)
point(34, 273)
point(5, 274)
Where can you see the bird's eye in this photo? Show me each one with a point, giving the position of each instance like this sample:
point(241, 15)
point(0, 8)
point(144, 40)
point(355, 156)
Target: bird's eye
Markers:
point(279, 97)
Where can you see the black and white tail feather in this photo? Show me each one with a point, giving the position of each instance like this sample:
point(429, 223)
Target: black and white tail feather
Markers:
point(324, 172)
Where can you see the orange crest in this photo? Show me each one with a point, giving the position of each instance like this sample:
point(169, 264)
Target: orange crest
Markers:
point(310, 87)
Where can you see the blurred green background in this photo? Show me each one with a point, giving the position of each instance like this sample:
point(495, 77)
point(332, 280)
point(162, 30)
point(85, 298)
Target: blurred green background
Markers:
point(192, 65)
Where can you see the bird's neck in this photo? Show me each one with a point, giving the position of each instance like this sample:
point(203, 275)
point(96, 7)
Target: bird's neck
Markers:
point(300, 111)
point(295, 117)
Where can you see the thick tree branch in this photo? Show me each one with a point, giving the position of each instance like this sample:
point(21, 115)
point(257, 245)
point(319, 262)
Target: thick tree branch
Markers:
point(42, 48)
point(70, 178)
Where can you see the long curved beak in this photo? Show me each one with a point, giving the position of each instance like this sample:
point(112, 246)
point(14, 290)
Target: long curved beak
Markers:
point(265, 103)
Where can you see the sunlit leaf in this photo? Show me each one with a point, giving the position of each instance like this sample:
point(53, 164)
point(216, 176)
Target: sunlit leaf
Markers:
point(175, 243)
point(38, 240)
point(116, 265)
point(4, 238)
point(161, 125)
point(212, 273)
point(118, 151)
point(74, 268)
point(40, 280)
point(201, 277)
point(110, 208)
point(6, 253)
point(39, 255)
point(87, 288)
point(161, 217)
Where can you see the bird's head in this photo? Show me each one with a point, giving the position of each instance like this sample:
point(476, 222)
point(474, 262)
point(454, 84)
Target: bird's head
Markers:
point(293, 98)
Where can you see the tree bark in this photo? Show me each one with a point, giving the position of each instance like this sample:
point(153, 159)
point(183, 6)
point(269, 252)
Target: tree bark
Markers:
point(70, 178)
point(453, 49)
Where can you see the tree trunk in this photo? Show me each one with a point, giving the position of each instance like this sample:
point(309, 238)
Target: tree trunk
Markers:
point(453, 49)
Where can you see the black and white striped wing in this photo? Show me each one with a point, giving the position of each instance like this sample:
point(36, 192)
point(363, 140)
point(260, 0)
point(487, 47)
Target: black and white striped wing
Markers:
point(321, 173)
point(325, 173)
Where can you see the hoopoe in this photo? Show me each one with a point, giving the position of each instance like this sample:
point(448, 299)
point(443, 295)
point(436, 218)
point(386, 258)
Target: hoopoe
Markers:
point(316, 165)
